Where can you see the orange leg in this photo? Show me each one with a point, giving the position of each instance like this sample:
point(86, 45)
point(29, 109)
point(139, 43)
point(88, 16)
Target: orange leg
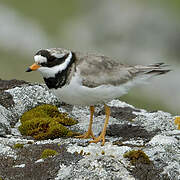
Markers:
point(89, 133)
point(101, 137)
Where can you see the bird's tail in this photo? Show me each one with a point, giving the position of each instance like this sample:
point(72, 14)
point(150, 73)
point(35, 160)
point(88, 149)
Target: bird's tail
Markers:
point(158, 69)
point(154, 69)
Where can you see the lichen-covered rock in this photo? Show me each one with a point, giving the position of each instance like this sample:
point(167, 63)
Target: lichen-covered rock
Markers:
point(28, 96)
point(5, 127)
point(17, 97)
point(151, 136)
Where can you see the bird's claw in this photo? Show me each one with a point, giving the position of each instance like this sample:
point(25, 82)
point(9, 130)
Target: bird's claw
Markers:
point(88, 134)
point(98, 139)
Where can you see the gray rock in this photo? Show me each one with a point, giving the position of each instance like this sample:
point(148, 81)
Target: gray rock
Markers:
point(4, 121)
point(129, 129)
point(18, 100)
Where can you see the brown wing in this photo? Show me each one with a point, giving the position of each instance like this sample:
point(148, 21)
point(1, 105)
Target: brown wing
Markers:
point(99, 70)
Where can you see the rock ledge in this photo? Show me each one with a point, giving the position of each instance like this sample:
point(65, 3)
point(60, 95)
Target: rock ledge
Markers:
point(129, 129)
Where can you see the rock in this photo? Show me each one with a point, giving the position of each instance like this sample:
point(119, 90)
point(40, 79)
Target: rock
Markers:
point(154, 133)
point(4, 121)
point(20, 97)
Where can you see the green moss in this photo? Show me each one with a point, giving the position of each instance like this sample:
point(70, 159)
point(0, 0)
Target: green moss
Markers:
point(48, 153)
point(103, 152)
point(137, 157)
point(46, 122)
point(30, 142)
point(18, 145)
point(72, 134)
point(64, 119)
point(47, 110)
point(81, 152)
point(76, 153)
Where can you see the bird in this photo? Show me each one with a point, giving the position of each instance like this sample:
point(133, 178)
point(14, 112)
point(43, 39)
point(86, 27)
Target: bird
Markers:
point(89, 79)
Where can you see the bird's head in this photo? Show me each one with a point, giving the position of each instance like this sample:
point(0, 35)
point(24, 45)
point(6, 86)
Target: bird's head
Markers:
point(49, 62)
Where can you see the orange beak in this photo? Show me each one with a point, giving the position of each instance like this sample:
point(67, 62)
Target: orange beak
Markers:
point(34, 67)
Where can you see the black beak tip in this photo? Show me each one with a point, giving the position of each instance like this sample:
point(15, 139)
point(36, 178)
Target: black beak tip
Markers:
point(28, 69)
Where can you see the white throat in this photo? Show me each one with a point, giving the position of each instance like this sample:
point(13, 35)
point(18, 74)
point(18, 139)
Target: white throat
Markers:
point(48, 72)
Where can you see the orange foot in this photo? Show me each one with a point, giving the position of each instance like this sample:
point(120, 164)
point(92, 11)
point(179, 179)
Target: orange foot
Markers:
point(86, 135)
point(101, 137)
point(98, 139)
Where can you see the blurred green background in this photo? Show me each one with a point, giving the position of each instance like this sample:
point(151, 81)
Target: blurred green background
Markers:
point(133, 31)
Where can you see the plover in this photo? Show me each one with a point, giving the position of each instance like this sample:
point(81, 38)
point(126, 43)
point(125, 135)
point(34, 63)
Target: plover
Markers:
point(89, 79)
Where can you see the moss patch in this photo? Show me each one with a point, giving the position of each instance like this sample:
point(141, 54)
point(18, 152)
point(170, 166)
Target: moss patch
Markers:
point(137, 156)
point(143, 168)
point(48, 153)
point(103, 152)
point(46, 122)
point(177, 122)
point(18, 146)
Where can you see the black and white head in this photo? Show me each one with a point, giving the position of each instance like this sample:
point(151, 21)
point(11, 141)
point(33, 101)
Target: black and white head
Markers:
point(50, 62)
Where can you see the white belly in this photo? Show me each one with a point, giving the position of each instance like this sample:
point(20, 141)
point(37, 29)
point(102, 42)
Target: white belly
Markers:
point(77, 94)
